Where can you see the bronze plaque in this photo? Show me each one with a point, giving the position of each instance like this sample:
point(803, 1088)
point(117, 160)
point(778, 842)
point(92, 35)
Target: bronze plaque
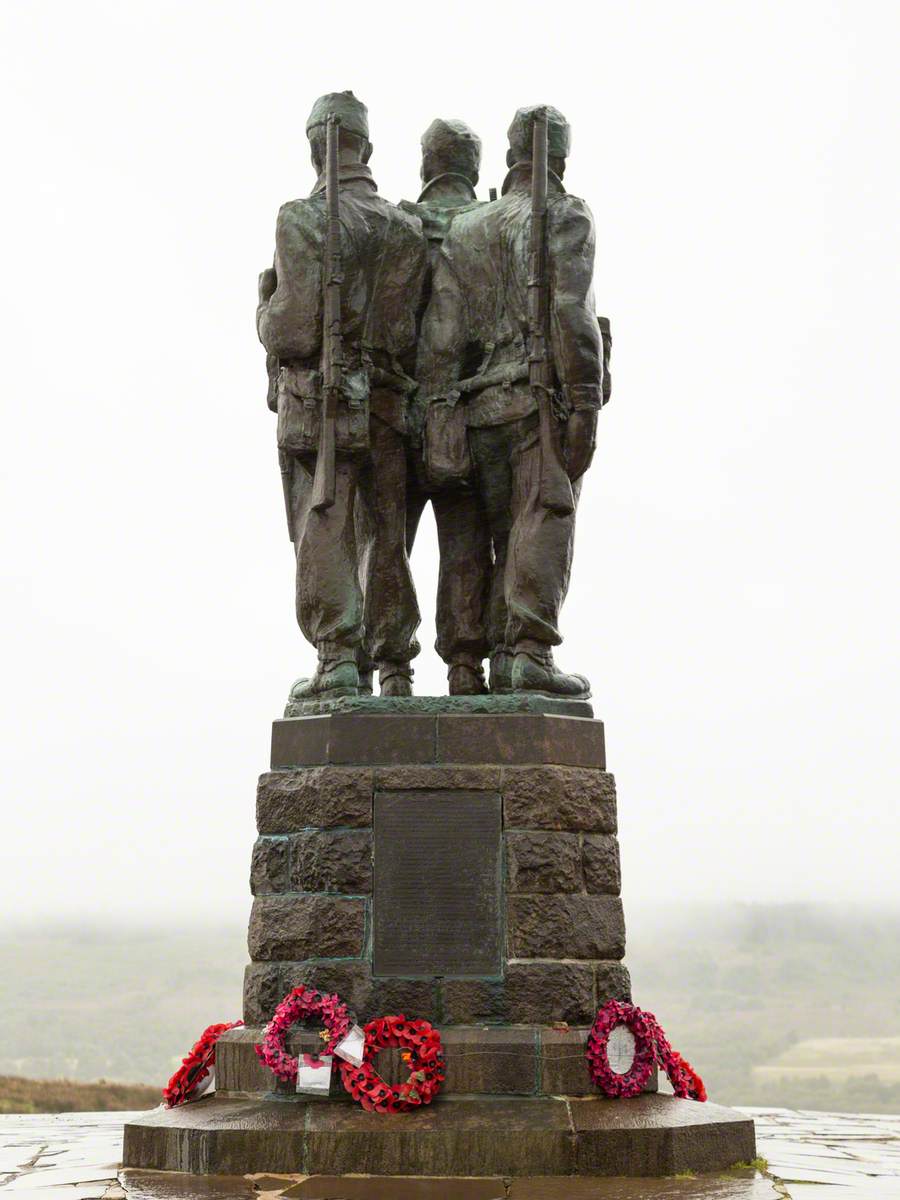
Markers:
point(437, 896)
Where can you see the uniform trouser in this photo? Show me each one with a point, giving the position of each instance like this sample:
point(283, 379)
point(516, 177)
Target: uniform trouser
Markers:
point(532, 545)
point(354, 586)
point(464, 577)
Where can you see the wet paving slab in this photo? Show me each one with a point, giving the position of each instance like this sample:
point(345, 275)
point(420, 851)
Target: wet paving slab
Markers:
point(807, 1156)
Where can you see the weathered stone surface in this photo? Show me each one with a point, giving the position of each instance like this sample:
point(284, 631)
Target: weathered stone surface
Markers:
point(395, 1187)
point(612, 982)
point(269, 866)
point(350, 979)
point(563, 1065)
point(302, 743)
point(475, 1137)
point(381, 740)
point(558, 798)
point(295, 926)
point(288, 801)
point(237, 1067)
point(325, 861)
point(534, 993)
point(648, 1135)
point(437, 778)
point(538, 861)
point(602, 872)
point(520, 738)
point(412, 997)
point(659, 1135)
point(262, 991)
point(566, 927)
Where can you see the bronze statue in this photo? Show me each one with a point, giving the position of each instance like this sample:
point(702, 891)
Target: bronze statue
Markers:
point(451, 158)
point(511, 340)
point(340, 381)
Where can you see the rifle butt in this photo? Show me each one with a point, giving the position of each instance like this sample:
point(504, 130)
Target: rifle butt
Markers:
point(556, 487)
point(323, 480)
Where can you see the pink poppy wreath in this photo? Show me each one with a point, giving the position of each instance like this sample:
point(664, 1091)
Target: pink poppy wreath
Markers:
point(299, 1005)
point(650, 1045)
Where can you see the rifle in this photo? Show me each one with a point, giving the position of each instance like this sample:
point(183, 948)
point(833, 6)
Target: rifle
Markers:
point(556, 489)
point(323, 483)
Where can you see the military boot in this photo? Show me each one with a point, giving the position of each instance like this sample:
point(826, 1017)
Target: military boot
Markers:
point(465, 678)
point(334, 677)
point(501, 670)
point(534, 670)
point(395, 678)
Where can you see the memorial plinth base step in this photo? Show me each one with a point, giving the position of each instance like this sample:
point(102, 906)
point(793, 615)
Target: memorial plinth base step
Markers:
point(464, 1137)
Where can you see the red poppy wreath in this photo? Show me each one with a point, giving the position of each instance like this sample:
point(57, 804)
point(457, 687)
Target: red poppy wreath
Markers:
point(423, 1052)
point(299, 1005)
point(185, 1083)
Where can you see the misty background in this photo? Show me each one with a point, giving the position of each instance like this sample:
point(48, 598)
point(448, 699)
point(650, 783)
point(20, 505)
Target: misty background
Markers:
point(735, 591)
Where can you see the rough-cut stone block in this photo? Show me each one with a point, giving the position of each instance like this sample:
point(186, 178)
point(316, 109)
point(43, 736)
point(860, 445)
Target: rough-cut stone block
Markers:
point(394, 1187)
point(538, 861)
point(482, 1137)
point(323, 797)
point(533, 993)
point(612, 982)
point(269, 866)
point(412, 997)
point(563, 1065)
point(300, 743)
point(295, 926)
point(558, 798)
point(520, 738)
point(497, 1061)
point(350, 979)
point(566, 927)
point(437, 778)
point(326, 861)
point(237, 1067)
point(602, 872)
point(381, 740)
point(262, 991)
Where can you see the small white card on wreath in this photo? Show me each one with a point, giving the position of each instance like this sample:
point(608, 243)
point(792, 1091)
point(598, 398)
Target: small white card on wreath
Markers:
point(352, 1047)
point(314, 1079)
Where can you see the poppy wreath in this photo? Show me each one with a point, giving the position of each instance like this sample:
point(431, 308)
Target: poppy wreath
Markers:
point(302, 1004)
point(650, 1045)
point(423, 1052)
point(184, 1084)
point(643, 1029)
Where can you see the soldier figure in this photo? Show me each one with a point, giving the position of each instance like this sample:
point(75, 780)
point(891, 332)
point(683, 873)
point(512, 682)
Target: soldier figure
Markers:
point(358, 531)
point(451, 157)
point(477, 340)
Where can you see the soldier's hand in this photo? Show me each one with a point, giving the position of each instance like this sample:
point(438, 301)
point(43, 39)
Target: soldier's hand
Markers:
point(581, 440)
point(268, 282)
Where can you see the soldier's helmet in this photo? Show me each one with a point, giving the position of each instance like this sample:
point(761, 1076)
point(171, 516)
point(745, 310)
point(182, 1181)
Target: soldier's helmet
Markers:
point(521, 133)
point(353, 113)
point(450, 145)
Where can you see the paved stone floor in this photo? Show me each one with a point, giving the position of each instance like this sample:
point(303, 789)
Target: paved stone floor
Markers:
point(810, 1156)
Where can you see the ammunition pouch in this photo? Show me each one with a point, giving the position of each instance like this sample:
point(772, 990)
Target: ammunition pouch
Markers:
point(300, 397)
point(446, 442)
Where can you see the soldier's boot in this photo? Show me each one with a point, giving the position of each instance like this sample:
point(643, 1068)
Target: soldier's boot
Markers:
point(465, 677)
point(534, 670)
point(395, 678)
point(501, 670)
point(333, 677)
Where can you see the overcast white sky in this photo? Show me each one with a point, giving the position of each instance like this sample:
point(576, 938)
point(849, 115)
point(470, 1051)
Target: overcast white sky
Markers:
point(735, 591)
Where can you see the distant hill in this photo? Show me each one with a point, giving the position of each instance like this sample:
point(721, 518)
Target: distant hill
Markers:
point(736, 988)
point(62, 1095)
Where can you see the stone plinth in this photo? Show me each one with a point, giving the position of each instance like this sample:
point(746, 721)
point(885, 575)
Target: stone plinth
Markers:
point(462, 867)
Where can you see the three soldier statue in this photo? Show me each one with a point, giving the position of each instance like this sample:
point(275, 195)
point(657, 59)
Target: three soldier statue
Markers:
point(448, 351)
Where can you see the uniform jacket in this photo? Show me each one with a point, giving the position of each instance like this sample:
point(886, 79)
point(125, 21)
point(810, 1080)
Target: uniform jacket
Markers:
point(383, 260)
point(476, 324)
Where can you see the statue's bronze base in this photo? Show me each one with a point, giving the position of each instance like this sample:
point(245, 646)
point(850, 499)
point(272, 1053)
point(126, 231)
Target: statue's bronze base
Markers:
point(455, 1138)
